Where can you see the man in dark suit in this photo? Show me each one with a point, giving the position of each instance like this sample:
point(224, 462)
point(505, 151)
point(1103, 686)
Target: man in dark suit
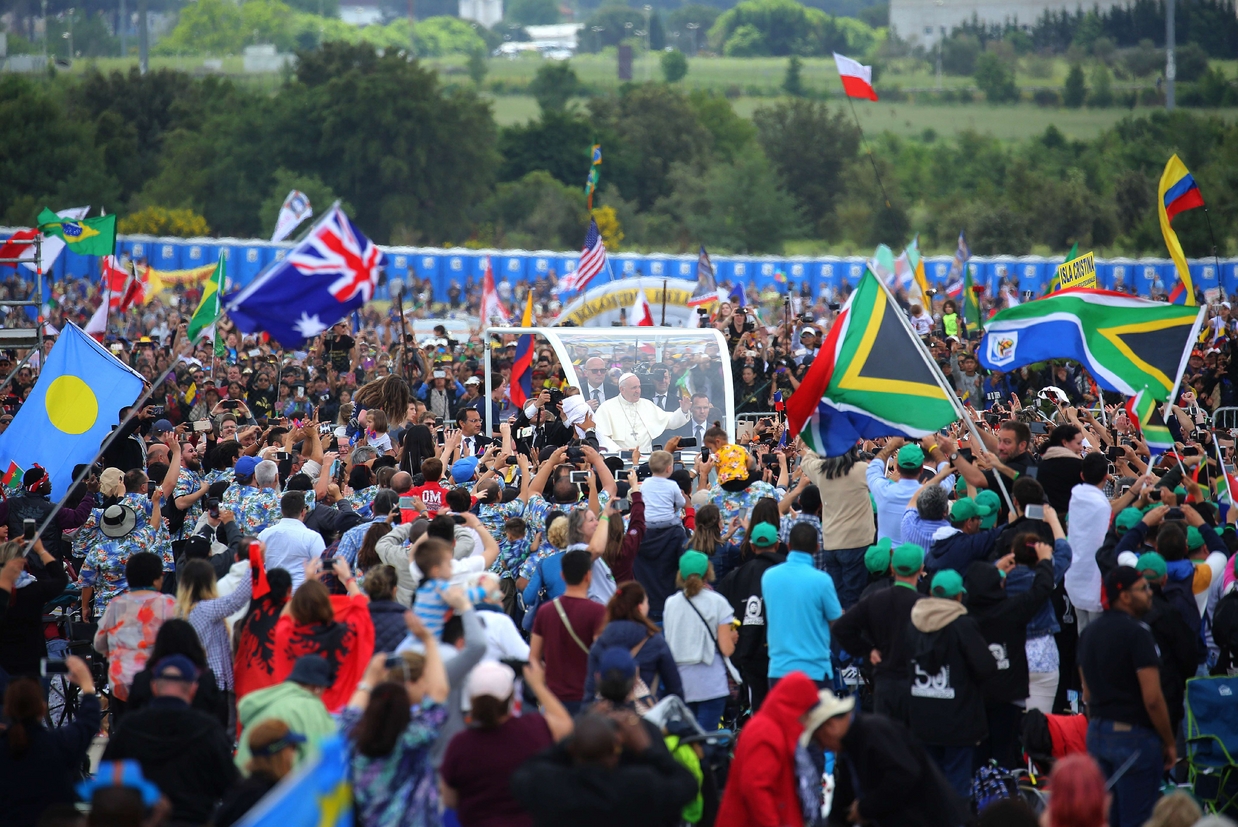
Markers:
point(471, 439)
point(658, 389)
point(704, 414)
point(594, 385)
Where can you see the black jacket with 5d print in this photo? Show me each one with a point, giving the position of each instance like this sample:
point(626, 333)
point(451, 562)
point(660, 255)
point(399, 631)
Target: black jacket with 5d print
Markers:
point(950, 660)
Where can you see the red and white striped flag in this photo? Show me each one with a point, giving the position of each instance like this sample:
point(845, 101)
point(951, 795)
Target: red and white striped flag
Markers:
point(857, 78)
point(492, 309)
point(592, 261)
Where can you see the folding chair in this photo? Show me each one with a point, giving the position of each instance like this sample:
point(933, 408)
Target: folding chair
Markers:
point(1212, 742)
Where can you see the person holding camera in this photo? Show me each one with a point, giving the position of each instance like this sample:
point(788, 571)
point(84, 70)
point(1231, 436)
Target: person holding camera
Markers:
point(39, 766)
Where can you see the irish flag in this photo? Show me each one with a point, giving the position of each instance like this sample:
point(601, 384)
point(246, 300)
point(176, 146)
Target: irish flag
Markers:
point(857, 78)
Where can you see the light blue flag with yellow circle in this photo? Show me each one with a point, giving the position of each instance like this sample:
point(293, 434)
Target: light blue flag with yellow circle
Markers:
point(74, 404)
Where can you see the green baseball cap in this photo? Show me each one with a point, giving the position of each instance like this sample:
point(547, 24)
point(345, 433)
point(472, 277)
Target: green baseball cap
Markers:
point(960, 486)
point(908, 559)
point(966, 508)
point(1151, 565)
point(693, 562)
point(948, 583)
point(1193, 538)
point(993, 501)
point(910, 456)
point(763, 535)
point(1127, 519)
point(877, 558)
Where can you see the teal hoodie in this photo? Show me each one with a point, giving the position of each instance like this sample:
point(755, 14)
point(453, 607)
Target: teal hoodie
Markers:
point(299, 708)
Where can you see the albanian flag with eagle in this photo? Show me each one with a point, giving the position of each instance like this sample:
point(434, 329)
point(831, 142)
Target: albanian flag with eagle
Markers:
point(347, 643)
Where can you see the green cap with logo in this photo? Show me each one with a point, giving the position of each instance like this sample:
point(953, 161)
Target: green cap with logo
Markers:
point(910, 456)
point(1151, 565)
point(763, 535)
point(1127, 519)
point(908, 559)
point(877, 558)
point(967, 508)
point(991, 499)
point(947, 583)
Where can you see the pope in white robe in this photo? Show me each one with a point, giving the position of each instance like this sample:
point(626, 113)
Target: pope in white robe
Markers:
point(628, 421)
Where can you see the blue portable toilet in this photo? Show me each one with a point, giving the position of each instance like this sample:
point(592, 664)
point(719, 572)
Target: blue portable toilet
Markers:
point(658, 267)
point(1031, 276)
point(165, 255)
point(539, 265)
point(937, 271)
point(248, 263)
point(566, 265)
point(510, 268)
point(685, 268)
point(1205, 275)
point(194, 255)
point(853, 269)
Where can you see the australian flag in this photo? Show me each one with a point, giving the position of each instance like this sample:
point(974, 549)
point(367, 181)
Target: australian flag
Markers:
point(331, 273)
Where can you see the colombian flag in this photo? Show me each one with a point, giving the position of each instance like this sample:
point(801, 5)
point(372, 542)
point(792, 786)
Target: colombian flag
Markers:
point(522, 368)
point(1177, 193)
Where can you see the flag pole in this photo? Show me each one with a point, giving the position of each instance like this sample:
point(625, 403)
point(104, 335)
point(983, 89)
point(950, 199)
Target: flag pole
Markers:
point(941, 380)
point(868, 148)
point(1216, 259)
point(134, 410)
point(663, 302)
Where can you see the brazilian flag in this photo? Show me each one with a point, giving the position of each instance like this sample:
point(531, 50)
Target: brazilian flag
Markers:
point(871, 379)
point(85, 236)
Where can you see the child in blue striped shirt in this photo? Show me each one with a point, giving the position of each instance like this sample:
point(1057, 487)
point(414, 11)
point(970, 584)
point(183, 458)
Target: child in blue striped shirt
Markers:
point(431, 608)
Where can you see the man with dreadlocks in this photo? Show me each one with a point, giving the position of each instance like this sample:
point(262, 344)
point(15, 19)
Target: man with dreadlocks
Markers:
point(847, 527)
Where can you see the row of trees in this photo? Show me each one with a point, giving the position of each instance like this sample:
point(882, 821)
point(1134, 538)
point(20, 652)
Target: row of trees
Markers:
point(1212, 24)
point(419, 163)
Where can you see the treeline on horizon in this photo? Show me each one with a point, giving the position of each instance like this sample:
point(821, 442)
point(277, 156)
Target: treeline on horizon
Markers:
point(420, 162)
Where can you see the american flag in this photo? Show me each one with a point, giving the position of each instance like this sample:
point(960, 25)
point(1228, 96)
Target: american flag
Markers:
point(592, 261)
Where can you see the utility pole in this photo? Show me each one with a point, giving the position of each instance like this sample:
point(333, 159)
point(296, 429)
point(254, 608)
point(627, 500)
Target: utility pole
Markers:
point(123, 29)
point(45, 33)
point(143, 39)
point(1170, 70)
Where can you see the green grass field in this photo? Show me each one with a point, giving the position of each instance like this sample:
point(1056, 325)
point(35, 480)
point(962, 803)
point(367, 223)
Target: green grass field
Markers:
point(910, 120)
point(755, 82)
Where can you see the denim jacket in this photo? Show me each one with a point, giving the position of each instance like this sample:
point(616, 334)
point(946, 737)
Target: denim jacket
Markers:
point(1020, 580)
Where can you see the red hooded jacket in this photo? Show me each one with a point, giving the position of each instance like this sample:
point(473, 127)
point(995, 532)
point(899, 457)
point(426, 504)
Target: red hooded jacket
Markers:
point(761, 788)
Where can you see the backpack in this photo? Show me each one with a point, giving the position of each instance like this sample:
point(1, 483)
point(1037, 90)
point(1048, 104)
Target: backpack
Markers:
point(989, 784)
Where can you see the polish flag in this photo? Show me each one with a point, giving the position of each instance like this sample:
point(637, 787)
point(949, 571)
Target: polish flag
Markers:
point(641, 314)
point(857, 78)
point(492, 309)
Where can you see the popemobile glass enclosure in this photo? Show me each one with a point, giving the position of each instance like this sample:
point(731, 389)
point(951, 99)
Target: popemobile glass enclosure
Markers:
point(697, 358)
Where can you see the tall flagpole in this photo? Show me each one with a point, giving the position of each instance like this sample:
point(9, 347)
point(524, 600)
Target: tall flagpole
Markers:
point(941, 380)
point(869, 149)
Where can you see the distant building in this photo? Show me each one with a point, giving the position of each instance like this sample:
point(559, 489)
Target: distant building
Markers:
point(485, 12)
point(361, 13)
point(926, 21)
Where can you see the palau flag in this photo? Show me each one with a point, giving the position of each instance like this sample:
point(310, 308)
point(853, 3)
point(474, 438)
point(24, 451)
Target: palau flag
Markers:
point(1177, 193)
point(317, 794)
point(73, 406)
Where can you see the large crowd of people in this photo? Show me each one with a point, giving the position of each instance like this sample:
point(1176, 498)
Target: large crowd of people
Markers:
point(618, 602)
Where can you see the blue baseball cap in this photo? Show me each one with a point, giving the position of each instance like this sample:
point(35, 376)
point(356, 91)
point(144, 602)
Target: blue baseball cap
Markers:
point(617, 659)
point(245, 466)
point(126, 773)
point(176, 668)
point(462, 470)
